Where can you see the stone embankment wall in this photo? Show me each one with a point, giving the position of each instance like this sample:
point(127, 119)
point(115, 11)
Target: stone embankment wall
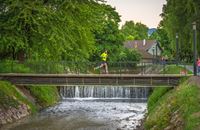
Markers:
point(17, 102)
point(13, 114)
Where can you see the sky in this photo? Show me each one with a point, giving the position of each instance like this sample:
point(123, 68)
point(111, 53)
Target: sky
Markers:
point(144, 11)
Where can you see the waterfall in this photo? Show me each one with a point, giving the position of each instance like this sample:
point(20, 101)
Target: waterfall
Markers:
point(103, 92)
point(76, 92)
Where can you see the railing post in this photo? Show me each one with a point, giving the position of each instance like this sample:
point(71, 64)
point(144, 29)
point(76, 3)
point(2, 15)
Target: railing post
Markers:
point(12, 66)
point(164, 68)
point(185, 68)
point(120, 68)
point(142, 68)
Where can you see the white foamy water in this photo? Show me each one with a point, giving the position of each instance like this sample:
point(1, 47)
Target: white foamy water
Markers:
point(90, 114)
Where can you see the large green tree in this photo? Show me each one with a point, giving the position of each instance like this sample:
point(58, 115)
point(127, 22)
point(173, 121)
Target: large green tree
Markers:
point(47, 29)
point(107, 34)
point(178, 16)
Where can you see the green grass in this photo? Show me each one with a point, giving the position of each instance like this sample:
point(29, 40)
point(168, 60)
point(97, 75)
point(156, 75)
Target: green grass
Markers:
point(9, 66)
point(158, 92)
point(10, 97)
point(183, 100)
point(174, 69)
point(45, 95)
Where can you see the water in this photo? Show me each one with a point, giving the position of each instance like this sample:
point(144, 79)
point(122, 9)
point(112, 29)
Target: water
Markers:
point(86, 109)
point(104, 92)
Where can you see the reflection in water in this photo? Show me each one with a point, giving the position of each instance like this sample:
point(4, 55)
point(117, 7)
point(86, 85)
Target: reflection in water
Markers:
point(80, 114)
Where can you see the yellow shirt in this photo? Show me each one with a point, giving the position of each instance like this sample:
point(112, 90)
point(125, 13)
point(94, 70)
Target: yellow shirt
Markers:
point(104, 56)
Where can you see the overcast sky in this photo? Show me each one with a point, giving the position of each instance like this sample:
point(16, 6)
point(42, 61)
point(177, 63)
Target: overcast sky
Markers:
point(144, 11)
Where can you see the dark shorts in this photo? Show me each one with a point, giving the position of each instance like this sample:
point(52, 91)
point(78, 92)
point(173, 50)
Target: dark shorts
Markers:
point(103, 62)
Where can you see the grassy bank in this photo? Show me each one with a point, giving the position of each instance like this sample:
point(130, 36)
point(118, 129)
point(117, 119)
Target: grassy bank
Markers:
point(177, 108)
point(174, 69)
point(43, 95)
point(11, 97)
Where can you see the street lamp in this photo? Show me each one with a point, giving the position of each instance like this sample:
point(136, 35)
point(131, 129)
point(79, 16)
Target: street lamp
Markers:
point(195, 47)
point(153, 53)
point(177, 49)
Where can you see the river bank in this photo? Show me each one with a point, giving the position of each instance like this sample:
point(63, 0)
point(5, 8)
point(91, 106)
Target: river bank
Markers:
point(84, 114)
point(175, 109)
point(17, 102)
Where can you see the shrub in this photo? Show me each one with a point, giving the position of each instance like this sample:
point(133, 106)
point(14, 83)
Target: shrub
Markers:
point(9, 66)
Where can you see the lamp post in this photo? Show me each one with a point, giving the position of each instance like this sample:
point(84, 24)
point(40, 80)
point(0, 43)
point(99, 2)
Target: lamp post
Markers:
point(153, 54)
point(195, 47)
point(177, 49)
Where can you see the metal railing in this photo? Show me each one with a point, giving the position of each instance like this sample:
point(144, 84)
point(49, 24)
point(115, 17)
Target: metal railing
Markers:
point(65, 67)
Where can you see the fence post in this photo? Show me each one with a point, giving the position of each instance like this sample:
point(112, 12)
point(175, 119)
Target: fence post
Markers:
point(120, 68)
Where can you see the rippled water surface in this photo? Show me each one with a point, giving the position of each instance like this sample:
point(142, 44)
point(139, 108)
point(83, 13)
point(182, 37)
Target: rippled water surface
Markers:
point(90, 114)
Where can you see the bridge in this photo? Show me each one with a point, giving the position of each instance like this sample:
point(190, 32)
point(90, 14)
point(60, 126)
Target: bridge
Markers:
point(147, 80)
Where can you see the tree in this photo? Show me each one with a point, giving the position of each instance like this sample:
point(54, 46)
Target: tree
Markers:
point(134, 31)
point(178, 16)
point(49, 29)
point(107, 35)
point(161, 36)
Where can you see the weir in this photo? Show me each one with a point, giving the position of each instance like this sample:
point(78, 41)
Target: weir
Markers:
point(104, 92)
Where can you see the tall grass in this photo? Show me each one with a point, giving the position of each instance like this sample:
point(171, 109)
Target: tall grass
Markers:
point(45, 95)
point(10, 97)
point(183, 101)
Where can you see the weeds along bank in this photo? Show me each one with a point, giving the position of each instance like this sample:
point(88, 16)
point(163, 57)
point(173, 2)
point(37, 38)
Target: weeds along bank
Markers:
point(175, 109)
point(18, 102)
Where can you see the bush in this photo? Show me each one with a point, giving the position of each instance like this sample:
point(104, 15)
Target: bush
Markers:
point(9, 66)
point(45, 66)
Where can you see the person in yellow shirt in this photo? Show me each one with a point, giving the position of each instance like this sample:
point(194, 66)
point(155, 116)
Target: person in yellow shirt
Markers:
point(104, 64)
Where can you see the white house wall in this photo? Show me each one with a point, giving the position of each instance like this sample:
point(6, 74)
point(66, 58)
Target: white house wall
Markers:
point(151, 50)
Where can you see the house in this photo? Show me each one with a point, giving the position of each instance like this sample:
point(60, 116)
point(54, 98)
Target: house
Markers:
point(149, 49)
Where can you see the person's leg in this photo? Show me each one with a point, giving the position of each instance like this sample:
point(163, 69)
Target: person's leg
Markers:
point(106, 68)
point(100, 66)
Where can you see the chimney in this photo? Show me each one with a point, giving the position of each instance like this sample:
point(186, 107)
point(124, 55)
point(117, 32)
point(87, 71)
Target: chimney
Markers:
point(144, 42)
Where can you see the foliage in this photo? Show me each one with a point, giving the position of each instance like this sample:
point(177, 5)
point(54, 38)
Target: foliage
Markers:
point(161, 36)
point(107, 35)
point(134, 31)
point(58, 30)
point(184, 101)
point(130, 55)
point(10, 97)
point(9, 66)
point(158, 92)
point(51, 30)
point(174, 69)
point(45, 95)
point(178, 16)
point(45, 66)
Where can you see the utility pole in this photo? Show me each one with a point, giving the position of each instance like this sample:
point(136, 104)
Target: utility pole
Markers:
point(195, 47)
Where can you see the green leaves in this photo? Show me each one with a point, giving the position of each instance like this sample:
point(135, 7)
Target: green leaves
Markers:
point(48, 30)
point(178, 16)
point(134, 31)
